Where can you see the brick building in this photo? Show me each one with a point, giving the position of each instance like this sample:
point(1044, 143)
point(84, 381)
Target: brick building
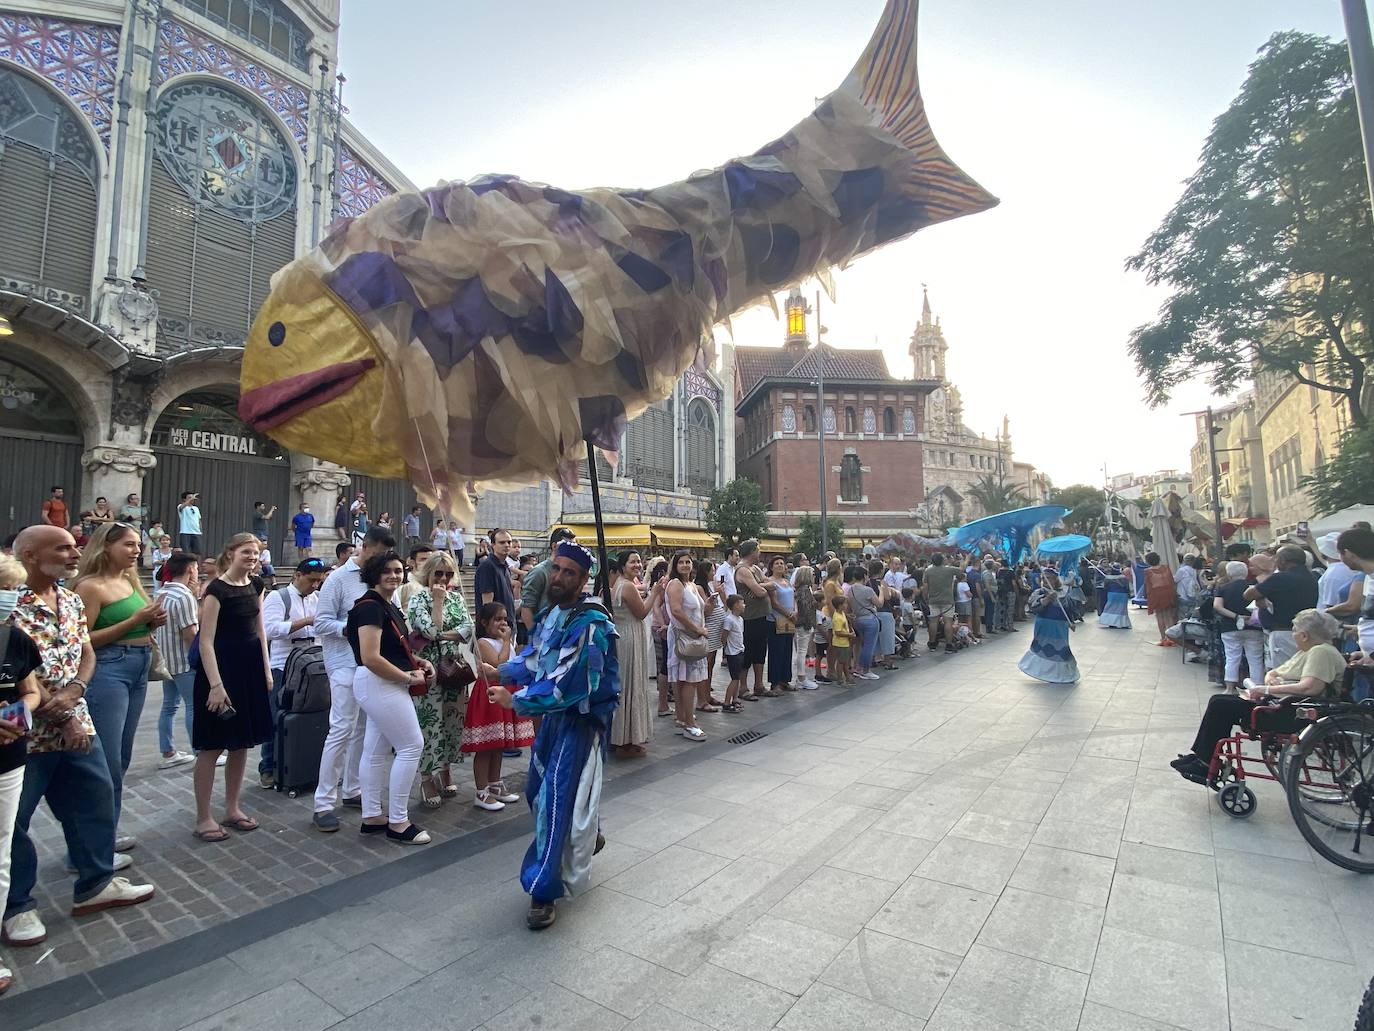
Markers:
point(873, 423)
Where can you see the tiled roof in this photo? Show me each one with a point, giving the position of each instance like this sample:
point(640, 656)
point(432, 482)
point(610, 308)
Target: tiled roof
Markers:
point(757, 363)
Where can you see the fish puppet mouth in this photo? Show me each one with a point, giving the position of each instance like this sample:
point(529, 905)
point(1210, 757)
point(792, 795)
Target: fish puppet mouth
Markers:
point(266, 407)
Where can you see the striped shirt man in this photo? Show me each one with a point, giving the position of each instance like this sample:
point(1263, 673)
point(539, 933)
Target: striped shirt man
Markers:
point(180, 605)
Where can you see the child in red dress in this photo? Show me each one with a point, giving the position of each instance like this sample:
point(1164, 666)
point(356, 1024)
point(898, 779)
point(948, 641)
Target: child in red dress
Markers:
point(488, 729)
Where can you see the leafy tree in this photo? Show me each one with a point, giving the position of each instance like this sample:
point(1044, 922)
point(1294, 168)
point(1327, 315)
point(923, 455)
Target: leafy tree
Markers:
point(809, 535)
point(1348, 479)
point(995, 495)
point(1270, 249)
point(735, 512)
point(1088, 504)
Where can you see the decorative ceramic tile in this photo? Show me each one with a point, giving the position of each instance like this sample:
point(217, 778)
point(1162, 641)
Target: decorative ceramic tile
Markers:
point(78, 58)
point(181, 50)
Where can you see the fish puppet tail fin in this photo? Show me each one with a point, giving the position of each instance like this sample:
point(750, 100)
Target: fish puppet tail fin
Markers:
point(862, 170)
point(884, 81)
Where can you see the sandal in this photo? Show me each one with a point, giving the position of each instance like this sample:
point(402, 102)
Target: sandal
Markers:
point(446, 786)
point(708, 708)
point(218, 834)
point(733, 707)
point(663, 714)
point(243, 824)
point(431, 801)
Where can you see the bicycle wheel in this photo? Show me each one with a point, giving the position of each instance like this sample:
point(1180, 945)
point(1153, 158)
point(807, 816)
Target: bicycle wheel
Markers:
point(1330, 789)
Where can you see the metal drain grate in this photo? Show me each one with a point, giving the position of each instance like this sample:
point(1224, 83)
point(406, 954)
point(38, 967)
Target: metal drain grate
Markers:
point(746, 737)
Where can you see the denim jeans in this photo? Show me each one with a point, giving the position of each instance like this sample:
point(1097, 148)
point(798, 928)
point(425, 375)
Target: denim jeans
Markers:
point(77, 787)
point(868, 644)
point(115, 696)
point(267, 758)
point(180, 690)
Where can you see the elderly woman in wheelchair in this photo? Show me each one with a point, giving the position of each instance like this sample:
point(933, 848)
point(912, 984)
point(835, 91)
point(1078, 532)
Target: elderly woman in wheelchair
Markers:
point(1316, 671)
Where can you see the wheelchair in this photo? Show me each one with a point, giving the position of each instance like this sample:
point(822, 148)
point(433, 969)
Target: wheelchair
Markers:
point(1322, 752)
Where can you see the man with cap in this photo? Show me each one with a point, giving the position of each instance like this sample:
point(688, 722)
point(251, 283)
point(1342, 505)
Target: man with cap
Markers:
point(288, 618)
point(570, 676)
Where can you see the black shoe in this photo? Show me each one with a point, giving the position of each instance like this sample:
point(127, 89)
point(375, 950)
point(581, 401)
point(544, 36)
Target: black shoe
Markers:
point(600, 844)
point(356, 802)
point(540, 916)
point(371, 828)
point(327, 821)
point(949, 648)
point(1191, 768)
point(412, 835)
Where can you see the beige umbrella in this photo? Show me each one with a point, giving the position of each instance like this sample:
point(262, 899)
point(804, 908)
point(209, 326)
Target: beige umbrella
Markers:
point(1163, 541)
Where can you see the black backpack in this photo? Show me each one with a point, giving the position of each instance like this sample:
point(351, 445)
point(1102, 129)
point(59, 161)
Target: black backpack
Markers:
point(305, 681)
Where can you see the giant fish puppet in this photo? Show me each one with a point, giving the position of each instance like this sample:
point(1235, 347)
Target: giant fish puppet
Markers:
point(486, 331)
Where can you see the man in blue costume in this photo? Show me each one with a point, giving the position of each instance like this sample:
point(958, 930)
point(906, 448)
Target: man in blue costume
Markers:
point(569, 675)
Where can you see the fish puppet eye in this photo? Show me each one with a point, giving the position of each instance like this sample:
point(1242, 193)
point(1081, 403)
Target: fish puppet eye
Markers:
point(276, 334)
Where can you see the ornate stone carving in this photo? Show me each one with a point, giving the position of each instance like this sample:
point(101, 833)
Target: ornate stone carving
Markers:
point(321, 479)
point(118, 458)
point(131, 401)
point(130, 311)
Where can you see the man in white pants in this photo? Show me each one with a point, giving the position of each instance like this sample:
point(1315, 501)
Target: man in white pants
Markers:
point(343, 748)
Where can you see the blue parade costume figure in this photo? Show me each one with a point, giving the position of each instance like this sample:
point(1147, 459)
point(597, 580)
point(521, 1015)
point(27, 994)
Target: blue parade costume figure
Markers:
point(1139, 570)
point(1049, 657)
point(1115, 614)
point(569, 675)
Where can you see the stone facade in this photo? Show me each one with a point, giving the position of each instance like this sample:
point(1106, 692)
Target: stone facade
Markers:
point(97, 340)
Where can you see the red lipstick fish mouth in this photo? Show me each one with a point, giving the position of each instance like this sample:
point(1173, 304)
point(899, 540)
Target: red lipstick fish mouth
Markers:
point(266, 407)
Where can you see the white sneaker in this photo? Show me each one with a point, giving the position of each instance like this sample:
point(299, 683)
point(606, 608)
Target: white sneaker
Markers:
point(498, 791)
point(692, 733)
point(119, 892)
point(166, 762)
point(223, 758)
point(25, 929)
point(485, 800)
point(122, 861)
point(870, 676)
point(125, 842)
point(809, 685)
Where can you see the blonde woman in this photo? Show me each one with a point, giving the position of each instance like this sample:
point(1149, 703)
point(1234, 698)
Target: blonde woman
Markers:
point(437, 613)
point(232, 712)
point(121, 635)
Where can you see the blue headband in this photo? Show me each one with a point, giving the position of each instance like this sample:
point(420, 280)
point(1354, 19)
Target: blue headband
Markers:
point(575, 552)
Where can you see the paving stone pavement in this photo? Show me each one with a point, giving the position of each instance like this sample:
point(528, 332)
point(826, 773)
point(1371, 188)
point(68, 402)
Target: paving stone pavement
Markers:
point(955, 847)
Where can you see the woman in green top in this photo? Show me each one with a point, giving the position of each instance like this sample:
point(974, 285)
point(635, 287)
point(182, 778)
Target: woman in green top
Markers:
point(121, 620)
point(438, 613)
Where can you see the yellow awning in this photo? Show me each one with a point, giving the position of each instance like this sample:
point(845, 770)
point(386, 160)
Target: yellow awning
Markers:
point(854, 542)
point(636, 535)
point(775, 545)
point(676, 537)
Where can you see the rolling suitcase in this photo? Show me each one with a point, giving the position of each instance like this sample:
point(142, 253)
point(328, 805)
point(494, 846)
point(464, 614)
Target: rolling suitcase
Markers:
point(302, 720)
point(300, 742)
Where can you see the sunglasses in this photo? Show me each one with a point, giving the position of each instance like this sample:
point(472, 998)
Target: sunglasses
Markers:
point(442, 575)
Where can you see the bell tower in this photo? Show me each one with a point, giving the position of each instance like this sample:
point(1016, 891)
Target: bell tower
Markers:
point(796, 342)
point(928, 345)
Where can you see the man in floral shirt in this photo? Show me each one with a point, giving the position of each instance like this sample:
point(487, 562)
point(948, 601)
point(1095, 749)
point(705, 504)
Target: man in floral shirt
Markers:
point(66, 764)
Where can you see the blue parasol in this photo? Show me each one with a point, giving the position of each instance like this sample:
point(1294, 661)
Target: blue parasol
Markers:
point(1068, 548)
point(1008, 532)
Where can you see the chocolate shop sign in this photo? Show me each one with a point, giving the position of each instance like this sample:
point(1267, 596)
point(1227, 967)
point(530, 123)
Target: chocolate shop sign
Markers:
point(204, 440)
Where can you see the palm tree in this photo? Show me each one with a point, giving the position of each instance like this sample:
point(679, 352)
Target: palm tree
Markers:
point(996, 495)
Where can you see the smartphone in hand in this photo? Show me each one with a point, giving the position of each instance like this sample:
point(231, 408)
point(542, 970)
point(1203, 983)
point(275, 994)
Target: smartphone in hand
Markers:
point(18, 713)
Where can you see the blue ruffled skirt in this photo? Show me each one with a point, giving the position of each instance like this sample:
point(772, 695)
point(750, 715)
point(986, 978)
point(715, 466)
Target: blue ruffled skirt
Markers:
point(1050, 659)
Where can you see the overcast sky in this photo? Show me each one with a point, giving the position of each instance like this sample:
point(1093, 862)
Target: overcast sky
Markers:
point(1083, 117)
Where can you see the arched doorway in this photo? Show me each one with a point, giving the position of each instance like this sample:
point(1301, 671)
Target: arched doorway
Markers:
point(202, 445)
point(42, 442)
point(701, 447)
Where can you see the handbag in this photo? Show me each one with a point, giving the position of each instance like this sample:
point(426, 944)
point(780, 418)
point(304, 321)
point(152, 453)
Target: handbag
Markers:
point(453, 673)
point(689, 648)
point(783, 625)
point(157, 666)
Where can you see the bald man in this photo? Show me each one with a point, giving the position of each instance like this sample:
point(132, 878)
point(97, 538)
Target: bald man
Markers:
point(66, 763)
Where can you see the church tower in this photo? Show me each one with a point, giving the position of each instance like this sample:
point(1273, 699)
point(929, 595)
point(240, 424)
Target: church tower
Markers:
point(928, 345)
point(796, 342)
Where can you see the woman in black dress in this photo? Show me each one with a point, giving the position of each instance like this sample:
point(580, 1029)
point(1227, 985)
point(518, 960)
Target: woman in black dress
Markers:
point(231, 706)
